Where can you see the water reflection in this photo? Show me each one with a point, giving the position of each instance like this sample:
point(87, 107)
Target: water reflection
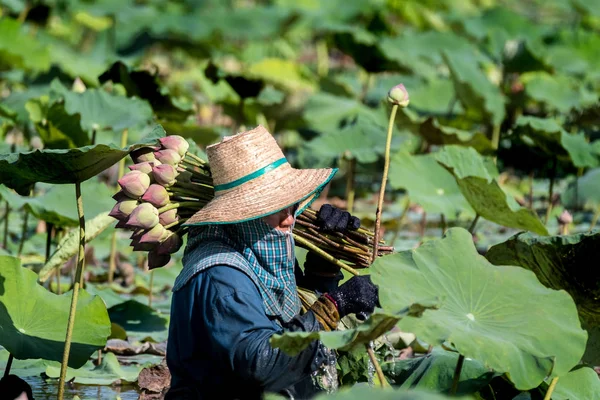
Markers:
point(43, 390)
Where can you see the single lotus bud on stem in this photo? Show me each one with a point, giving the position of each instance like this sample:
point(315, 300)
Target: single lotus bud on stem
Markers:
point(156, 260)
point(165, 175)
point(156, 195)
point(144, 216)
point(564, 220)
point(170, 245)
point(398, 95)
point(168, 156)
point(168, 217)
point(175, 142)
point(134, 184)
point(143, 154)
point(153, 235)
point(145, 167)
point(123, 209)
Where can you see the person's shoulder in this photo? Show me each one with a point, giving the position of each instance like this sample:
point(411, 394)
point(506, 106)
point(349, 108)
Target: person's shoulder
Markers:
point(228, 279)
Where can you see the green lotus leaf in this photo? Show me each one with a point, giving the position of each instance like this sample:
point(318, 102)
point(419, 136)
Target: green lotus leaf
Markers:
point(361, 45)
point(475, 178)
point(584, 192)
point(378, 323)
point(438, 194)
point(473, 88)
point(500, 315)
point(23, 368)
point(579, 384)
point(438, 134)
point(57, 129)
point(282, 73)
point(69, 244)
point(16, 201)
point(145, 85)
point(20, 171)
point(559, 262)
point(435, 372)
point(109, 371)
point(100, 110)
point(433, 97)
point(33, 320)
point(19, 49)
point(139, 320)
point(576, 52)
point(360, 392)
point(561, 93)
point(325, 112)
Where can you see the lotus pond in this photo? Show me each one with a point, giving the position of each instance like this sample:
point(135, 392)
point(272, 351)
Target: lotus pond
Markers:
point(477, 182)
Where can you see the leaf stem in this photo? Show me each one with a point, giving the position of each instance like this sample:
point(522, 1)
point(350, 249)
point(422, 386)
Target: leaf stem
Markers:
point(5, 238)
point(386, 166)
point(551, 190)
point(594, 219)
point(171, 206)
point(443, 223)
point(78, 282)
point(350, 190)
point(472, 227)
point(23, 232)
point(322, 58)
point(548, 395)
point(456, 378)
point(323, 254)
point(382, 381)
point(8, 365)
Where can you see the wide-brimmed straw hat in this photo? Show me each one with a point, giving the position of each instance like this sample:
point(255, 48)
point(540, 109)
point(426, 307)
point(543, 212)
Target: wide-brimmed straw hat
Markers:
point(253, 179)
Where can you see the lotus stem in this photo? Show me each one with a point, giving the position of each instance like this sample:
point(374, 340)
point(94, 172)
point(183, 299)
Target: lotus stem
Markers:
point(551, 190)
point(443, 223)
point(553, 382)
point(172, 224)
point(76, 285)
point(382, 381)
point(350, 190)
point(191, 204)
point(6, 213)
point(386, 167)
point(323, 254)
point(150, 288)
point(322, 58)
point(456, 378)
point(495, 140)
point(594, 219)
point(472, 227)
point(196, 158)
point(23, 232)
point(8, 365)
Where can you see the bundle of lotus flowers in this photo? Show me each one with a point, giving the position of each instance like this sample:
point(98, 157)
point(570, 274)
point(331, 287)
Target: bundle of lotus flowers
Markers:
point(167, 184)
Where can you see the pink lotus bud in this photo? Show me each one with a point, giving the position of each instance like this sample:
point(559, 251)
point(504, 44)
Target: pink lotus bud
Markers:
point(170, 245)
point(143, 154)
point(175, 142)
point(156, 260)
point(122, 224)
point(565, 218)
point(134, 183)
point(137, 246)
point(168, 217)
point(143, 216)
point(153, 235)
point(156, 195)
point(145, 167)
point(123, 208)
point(164, 174)
point(168, 156)
point(398, 95)
point(120, 196)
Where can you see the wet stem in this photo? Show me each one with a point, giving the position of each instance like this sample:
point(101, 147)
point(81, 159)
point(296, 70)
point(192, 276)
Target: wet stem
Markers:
point(456, 379)
point(76, 285)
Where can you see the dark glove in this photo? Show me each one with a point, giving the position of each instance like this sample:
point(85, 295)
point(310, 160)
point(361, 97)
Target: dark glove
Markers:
point(357, 296)
point(332, 219)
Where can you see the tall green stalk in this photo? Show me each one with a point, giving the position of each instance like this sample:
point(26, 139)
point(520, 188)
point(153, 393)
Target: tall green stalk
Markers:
point(74, 296)
point(548, 395)
point(5, 238)
point(23, 232)
point(350, 190)
point(551, 190)
point(457, 370)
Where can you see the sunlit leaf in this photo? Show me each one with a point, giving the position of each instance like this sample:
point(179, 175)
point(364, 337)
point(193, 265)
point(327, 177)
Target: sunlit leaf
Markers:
point(488, 312)
point(283, 73)
point(139, 320)
point(438, 134)
point(584, 192)
point(360, 392)
point(23, 368)
point(33, 325)
point(580, 384)
point(560, 92)
point(19, 49)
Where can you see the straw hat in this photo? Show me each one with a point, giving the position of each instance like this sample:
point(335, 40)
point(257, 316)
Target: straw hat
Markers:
point(252, 179)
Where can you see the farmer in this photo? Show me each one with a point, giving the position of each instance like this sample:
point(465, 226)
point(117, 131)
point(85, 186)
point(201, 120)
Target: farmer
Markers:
point(238, 288)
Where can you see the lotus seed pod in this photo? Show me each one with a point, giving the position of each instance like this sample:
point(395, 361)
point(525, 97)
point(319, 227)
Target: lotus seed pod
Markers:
point(168, 156)
point(170, 245)
point(156, 260)
point(143, 154)
point(123, 209)
point(145, 167)
point(164, 174)
point(134, 183)
point(175, 142)
point(153, 235)
point(156, 195)
point(398, 95)
point(144, 216)
point(168, 217)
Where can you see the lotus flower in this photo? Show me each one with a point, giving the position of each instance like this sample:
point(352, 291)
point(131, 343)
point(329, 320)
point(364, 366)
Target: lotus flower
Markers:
point(123, 208)
point(164, 174)
point(156, 195)
point(168, 217)
point(168, 156)
point(134, 183)
point(143, 216)
point(175, 142)
point(170, 245)
point(156, 260)
point(398, 95)
point(145, 167)
point(143, 154)
point(154, 235)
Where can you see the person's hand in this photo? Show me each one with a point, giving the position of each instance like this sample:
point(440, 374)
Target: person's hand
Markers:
point(332, 219)
point(357, 296)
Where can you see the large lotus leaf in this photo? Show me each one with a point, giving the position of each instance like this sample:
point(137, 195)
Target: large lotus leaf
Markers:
point(378, 323)
point(500, 315)
point(584, 192)
point(559, 262)
point(325, 112)
point(434, 97)
point(33, 320)
point(101, 110)
point(580, 384)
point(139, 320)
point(576, 52)
point(109, 371)
point(145, 85)
point(438, 194)
point(560, 92)
point(435, 371)
point(19, 49)
point(15, 102)
point(20, 171)
point(23, 368)
point(69, 244)
point(57, 129)
point(283, 73)
point(16, 201)
point(438, 134)
point(475, 180)
point(473, 88)
point(361, 392)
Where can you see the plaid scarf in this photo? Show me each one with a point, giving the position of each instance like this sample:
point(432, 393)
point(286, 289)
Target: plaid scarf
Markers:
point(263, 253)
